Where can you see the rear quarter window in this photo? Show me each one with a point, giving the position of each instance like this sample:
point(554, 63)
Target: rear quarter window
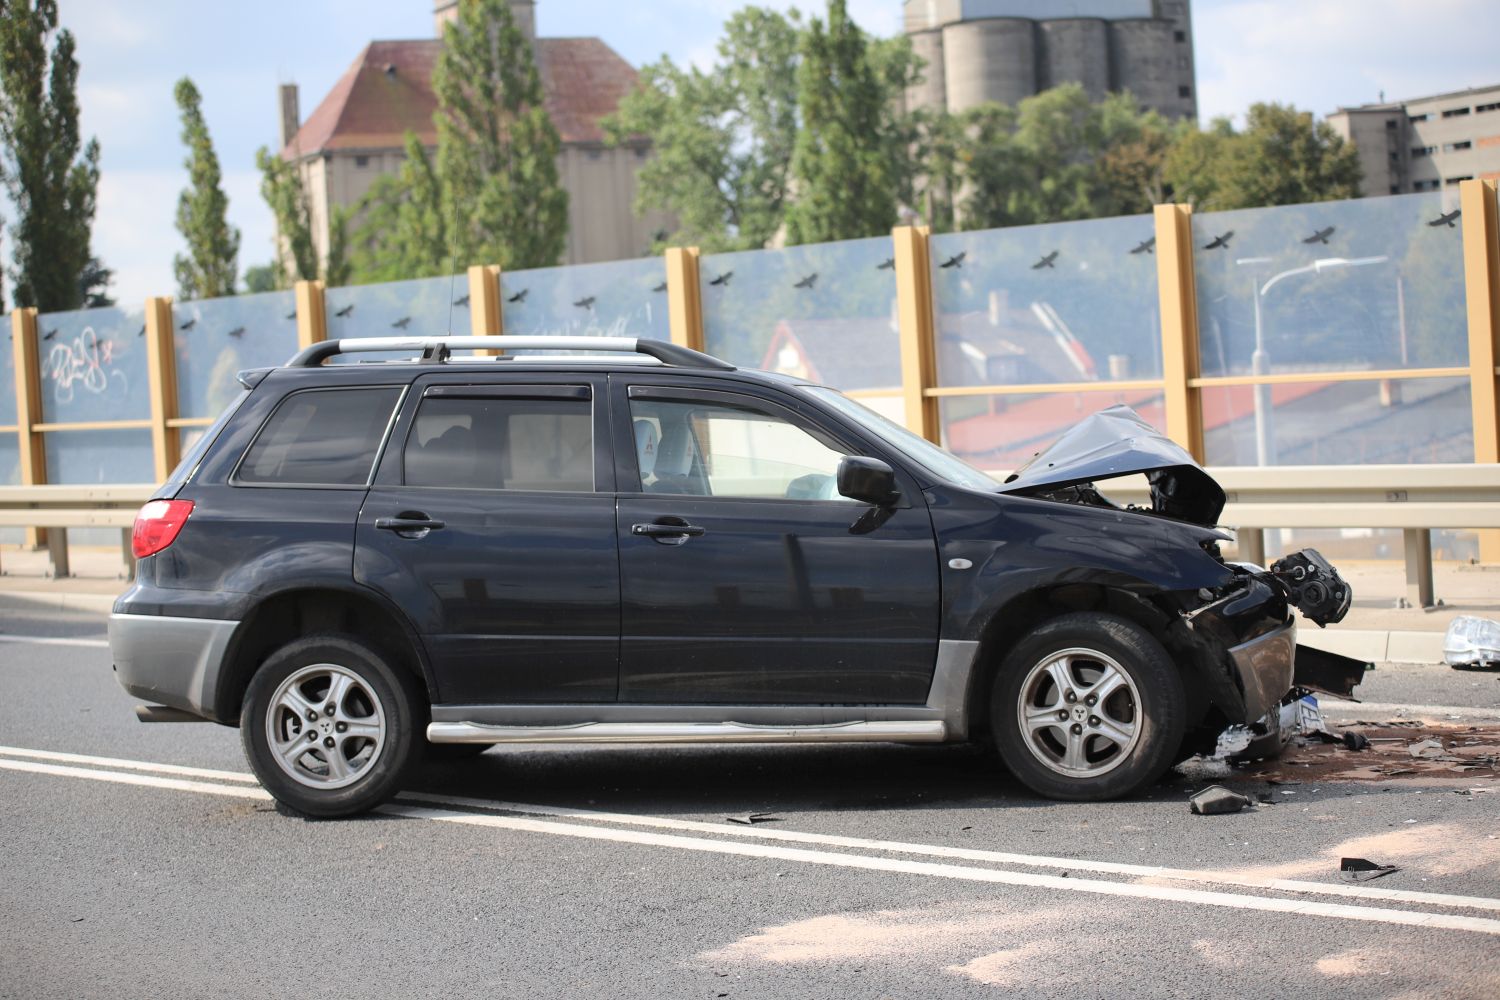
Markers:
point(320, 437)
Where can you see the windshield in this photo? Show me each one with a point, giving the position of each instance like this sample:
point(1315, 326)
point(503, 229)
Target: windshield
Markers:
point(929, 456)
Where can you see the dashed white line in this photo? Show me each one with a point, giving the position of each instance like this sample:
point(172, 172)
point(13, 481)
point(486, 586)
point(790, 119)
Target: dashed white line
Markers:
point(41, 640)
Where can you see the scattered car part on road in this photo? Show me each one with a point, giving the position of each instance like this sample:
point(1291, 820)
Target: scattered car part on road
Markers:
point(1364, 870)
point(1216, 800)
point(1472, 643)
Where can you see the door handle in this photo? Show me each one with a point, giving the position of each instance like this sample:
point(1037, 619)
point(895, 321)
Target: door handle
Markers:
point(667, 530)
point(409, 521)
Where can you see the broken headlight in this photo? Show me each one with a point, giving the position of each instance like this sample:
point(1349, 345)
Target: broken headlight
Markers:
point(1314, 587)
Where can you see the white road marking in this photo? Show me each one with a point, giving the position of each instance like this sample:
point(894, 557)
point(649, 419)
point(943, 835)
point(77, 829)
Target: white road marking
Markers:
point(120, 778)
point(40, 640)
point(129, 765)
point(975, 854)
point(1343, 911)
point(1365, 709)
point(1131, 889)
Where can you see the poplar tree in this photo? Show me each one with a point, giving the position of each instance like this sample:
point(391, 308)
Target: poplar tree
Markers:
point(403, 233)
point(297, 260)
point(847, 173)
point(497, 147)
point(211, 266)
point(50, 175)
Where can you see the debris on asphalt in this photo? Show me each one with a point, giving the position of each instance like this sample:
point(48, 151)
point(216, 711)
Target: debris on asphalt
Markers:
point(1356, 741)
point(1235, 739)
point(1216, 800)
point(1429, 749)
point(750, 819)
point(1472, 643)
point(1363, 869)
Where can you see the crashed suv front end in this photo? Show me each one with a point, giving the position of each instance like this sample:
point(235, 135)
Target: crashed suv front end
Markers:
point(1239, 630)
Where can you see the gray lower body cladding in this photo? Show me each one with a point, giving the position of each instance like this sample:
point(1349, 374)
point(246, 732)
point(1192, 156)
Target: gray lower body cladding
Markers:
point(170, 661)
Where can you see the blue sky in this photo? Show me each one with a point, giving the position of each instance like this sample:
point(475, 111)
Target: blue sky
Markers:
point(1317, 55)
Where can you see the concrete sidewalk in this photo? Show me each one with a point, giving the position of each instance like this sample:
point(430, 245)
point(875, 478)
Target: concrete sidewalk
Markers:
point(1375, 629)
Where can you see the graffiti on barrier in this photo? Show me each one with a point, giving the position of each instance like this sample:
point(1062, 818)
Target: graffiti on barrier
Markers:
point(86, 363)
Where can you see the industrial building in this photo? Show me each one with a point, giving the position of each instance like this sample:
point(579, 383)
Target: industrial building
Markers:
point(1006, 50)
point(1426, 143)
point(357, 132)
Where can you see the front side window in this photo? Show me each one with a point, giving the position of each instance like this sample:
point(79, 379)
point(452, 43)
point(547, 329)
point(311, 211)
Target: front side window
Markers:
point(495, 443)
point(729, 450)
point(320, 437)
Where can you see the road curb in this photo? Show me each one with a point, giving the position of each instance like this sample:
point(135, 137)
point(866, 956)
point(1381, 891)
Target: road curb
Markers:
point(1377, 645)
point(95, 603)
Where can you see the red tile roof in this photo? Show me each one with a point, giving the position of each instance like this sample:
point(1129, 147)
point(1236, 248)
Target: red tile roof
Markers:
point(388, 91)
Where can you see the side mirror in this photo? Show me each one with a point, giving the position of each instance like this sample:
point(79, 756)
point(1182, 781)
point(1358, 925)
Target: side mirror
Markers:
point(869, 480)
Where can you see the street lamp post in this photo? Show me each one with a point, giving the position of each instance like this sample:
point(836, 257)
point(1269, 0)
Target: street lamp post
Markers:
point(1260, 360)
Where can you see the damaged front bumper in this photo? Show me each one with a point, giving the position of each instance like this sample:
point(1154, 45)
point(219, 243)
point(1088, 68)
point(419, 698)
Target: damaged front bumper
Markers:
point(1264, 668)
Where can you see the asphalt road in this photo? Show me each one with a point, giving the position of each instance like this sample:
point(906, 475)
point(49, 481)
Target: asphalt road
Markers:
point(142, 861)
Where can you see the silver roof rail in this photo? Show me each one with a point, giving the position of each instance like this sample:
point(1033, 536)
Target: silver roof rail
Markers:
point(435, 350)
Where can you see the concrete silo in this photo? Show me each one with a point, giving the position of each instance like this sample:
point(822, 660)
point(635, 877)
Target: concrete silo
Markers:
point(991, 59)
point(1074, 49)
point(1143, 57)
point(931, 92)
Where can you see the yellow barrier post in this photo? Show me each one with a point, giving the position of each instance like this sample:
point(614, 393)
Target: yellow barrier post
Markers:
point(1178, 295)
point(312, 314)
point(916, 324)
point(684, 298)
point(486, 314)
point(1482, 284)
point(28, 370)
point(161, 376)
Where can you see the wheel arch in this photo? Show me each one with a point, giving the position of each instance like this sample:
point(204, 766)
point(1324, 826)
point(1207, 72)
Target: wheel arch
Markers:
point(280, 617)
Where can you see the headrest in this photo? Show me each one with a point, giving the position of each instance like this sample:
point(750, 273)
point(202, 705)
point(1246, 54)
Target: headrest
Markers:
point(446, 460)
point(645, 446)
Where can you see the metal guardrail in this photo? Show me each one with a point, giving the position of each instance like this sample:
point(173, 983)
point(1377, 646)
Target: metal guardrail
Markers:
point(1413, 498)
point(59, 508)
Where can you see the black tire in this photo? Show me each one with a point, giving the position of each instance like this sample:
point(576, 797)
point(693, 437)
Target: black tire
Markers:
point(382, 699)
point(1093, 762)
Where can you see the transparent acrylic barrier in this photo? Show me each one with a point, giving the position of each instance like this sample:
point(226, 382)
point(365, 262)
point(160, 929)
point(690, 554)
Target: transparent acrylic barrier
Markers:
point(1397, 421)
point(217, 338)
point(10, 475)
point(620, 299)
point(93, 366)
point(1000, 433)
point(423, 307)
point(87, 458)
point(1067, 302)
point(825, 312)
point(1373, 284)
point(7, 376)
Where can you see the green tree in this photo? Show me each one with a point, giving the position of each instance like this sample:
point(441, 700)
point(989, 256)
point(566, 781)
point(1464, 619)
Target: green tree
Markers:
point(262, 278)
point(93, 285)
point(211, 267)
point(1283, 157)
point(722, 139)
point(281, 186)
point(848, 168)
point(497, 147)
point(402, 232)
point(50, 175)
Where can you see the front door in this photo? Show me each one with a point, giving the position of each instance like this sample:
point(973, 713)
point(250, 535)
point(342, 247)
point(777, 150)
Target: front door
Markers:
point(745, 578)
point(491, 523)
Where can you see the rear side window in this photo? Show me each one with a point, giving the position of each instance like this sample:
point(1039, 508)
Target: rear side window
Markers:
point(321, 437)
point(496, 443)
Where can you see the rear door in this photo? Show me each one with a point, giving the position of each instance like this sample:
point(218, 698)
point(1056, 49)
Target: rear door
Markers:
point(746, 578)
point(491, 522)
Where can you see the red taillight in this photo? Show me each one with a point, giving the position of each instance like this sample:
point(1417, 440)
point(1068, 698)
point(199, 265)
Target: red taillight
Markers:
point(157, 525)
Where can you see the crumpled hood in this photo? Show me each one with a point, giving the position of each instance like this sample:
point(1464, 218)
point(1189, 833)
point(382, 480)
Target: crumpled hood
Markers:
point(1117, 442)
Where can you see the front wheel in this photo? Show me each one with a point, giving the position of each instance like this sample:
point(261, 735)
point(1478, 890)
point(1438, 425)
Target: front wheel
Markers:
point(330, 727)
point(1088, 707)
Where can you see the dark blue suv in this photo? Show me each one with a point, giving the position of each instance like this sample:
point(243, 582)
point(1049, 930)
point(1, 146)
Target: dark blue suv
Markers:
point(362, 564)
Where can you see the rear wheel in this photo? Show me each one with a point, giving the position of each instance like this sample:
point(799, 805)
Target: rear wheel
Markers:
point(1088, 707)
point(330, 727)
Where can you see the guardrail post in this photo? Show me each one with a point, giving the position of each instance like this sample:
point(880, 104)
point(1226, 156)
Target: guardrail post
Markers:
point(916, 324)
point(486, 313)
point(161, 374)
point(28, 367)
point(312, 314)
point(1418, 546)
point(1178, 294)
point(684, 297)
point(1482, 283)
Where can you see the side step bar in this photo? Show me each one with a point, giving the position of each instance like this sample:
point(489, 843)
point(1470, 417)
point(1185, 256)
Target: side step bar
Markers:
point(690, 732)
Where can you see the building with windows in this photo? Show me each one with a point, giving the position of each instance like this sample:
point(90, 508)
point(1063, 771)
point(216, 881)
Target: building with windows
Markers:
point(1426, 143)
point(357, 132)
point(1006, 50)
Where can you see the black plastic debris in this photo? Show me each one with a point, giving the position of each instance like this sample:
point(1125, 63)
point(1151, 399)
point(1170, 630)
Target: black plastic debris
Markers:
point(1356, 741)
point(1216, 799)
point(750, 819)
point(1363, 869)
